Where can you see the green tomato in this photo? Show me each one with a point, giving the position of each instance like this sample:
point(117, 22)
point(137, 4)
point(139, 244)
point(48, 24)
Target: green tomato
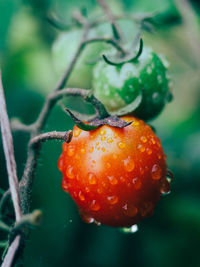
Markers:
point(144, 83)
point(65, 47)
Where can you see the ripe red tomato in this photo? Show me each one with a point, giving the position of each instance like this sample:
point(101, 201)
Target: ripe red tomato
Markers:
point(115, 176)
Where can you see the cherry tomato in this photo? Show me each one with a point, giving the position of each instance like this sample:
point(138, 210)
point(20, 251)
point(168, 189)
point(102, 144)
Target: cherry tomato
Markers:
point(115, 175)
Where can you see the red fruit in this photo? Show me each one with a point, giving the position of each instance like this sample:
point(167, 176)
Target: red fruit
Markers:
point(114, 175)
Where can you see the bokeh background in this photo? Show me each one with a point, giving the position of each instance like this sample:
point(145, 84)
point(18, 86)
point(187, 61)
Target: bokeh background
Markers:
point(172, 236)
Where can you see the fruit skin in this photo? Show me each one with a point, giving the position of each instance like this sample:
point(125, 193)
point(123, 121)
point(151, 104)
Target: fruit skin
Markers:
point(114, 175)
point(118, 86)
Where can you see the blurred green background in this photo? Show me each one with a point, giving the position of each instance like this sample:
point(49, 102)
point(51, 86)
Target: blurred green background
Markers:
point(172, 236)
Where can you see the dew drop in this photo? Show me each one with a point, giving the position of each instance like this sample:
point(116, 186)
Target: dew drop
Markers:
point(87, 189)
point(170, 176)
point(130, 230)
point(83, 150)
point(103, 138)
point(97, 223)
point(129, 164)
point(121, 145)
point(112, 199)
point(130, 210)
point(60, 163)
point(109, 140)
point(69, 172)
point(141, 148)
point(91, 149)
point(122, 179)
point(135, 123)
point(103, 149)
point(159, 156)
point(102, 132)
point(156, 172)
point(143, 139)
point(65, 185)
point(77, 132)
point(165, 187)
point(112, 180)
point(92, 178)
point(70, 151)
point(64, 147)
point(137, 183)
point(108, 165)
point(114, 156)
point(97, 143)
point(94, 205)
point(81, 196)
point(153, 141)
point(87, 218)
point(149, 151)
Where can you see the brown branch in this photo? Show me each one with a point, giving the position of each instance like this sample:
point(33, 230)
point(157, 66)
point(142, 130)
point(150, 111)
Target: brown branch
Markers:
point(9, 258)
point(9, 153)
point(12, 173)
point(110, 17)
point(64, 136)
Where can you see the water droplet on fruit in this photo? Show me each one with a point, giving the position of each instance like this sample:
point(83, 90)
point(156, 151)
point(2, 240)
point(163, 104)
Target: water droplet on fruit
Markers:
point(135, 123)
point(103, 138)
point(69, 172)
point(92, 178)
point(159, 156)
point(87, 189)
point(143, 139)
point(153, 141)
point(170, 176)
point(129, 164)
point(109, 140)
point(114, 156)
point(156, 172)
point(65, 185)
point(112, 180)
point(121, 145)
point(83, 150)
point(141, 171)
point(112, 199)
point(165, 187)
point(77, 132)
point(91, 149)
point(149, 151)
point(102, 132)
point(130, 210)
point(137, 183)
point(141, 148)
point(94, 205)
point(97, 223)
point(60, 164)
point(64, 146)
point(122, 179)
point(103, 149)
point(130, 230)
point(70, 151)
point(108, 165)
point(97, 143)
point(87, 218)
point(81, 196)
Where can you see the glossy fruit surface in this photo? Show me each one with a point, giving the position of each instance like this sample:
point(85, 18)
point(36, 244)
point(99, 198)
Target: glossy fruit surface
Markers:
point(115, 176)
point(118, 86)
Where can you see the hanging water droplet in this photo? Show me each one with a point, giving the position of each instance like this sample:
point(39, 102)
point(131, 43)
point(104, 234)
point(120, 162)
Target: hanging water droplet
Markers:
point(129, 230)
point(170, 176)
